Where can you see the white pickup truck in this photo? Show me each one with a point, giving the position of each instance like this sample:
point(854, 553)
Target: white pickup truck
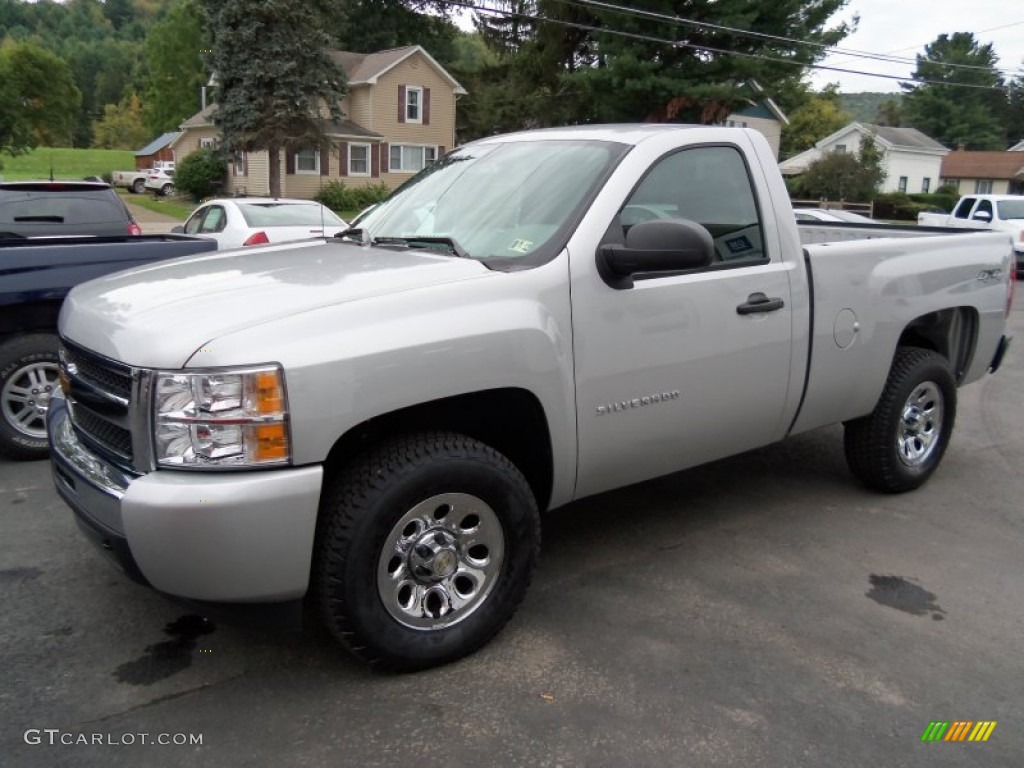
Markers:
point(1003, 213)
point(373, 422)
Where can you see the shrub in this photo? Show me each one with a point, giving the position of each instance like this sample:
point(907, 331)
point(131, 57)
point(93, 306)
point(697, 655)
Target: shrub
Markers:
point(108, 177)
point(338, 197)
point(201, 173)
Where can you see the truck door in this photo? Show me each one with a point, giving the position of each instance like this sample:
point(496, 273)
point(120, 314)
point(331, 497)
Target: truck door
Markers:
point(684, 368)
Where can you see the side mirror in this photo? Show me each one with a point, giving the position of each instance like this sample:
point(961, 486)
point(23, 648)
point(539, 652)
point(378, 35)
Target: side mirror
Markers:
point(661, 245)
point(178, 230)
point(982, 216)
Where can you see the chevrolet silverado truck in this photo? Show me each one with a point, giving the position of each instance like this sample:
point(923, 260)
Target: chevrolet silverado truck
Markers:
point(371, 423)
point(1004, 213)
point(35, 276)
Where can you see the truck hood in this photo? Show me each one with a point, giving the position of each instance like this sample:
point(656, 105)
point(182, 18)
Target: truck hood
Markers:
point(159, 315)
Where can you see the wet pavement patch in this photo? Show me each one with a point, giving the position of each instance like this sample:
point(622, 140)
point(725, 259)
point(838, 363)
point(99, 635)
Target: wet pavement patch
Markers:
point(161, 660)
point(896, 592)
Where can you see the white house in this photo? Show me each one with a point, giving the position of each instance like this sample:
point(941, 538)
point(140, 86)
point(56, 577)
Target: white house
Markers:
point(912, 161)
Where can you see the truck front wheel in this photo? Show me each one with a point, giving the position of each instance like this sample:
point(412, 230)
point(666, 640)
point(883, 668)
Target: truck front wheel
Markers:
point(427, 547)
point(28, 379)
point(899, 445)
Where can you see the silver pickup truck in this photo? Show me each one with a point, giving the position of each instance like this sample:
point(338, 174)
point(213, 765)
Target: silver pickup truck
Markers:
point(373, 422)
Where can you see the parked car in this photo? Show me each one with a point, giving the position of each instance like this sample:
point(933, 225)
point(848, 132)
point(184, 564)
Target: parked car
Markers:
point(1003, 213)
point(237, 222)
point(37, 275)
point(375, 420)
point(136, 180)
point(63, 209)
point(161, 180)
point(831, 214)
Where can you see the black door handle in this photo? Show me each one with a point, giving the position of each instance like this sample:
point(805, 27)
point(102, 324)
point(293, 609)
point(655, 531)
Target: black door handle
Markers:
point(758, 302)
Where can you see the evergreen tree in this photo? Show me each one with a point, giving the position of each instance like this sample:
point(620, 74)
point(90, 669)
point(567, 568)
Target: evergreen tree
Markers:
point(274, 77)
point(952, 114)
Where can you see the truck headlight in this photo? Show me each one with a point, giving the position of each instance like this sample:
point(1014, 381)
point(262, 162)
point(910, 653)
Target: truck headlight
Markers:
point(224, 418)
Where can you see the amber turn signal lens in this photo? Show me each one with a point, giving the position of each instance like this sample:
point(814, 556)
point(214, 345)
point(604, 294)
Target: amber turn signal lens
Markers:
point(269, 396)
point(271, 442)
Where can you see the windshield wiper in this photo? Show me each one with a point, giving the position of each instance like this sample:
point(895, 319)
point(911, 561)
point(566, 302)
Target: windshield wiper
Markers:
point(416, 240)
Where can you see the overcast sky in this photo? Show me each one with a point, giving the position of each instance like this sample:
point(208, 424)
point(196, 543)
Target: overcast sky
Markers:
point(904, 27)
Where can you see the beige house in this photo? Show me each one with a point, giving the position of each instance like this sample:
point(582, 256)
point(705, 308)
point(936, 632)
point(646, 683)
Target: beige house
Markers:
point(399, 116)
point(984, 173)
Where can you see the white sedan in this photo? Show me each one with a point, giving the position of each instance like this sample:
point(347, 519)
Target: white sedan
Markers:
point(240, 221)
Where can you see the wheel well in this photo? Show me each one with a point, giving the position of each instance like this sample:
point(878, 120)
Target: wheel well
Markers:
point(511, 421)
point(950, 332)
point(40, 316)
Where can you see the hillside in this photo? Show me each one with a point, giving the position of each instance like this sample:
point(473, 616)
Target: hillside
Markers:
point(864, 106)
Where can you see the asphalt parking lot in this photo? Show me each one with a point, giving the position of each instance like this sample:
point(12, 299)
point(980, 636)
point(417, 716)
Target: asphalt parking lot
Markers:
point(761, 611)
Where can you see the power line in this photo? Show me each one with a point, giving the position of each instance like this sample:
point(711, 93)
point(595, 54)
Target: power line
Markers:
point(700, 47)
point(678, 20)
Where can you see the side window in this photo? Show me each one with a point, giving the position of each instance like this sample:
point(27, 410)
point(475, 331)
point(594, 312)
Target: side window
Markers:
point(194, 221)
point(214, 221)
point(708, 185)
point(984, 206)
point(963, 211)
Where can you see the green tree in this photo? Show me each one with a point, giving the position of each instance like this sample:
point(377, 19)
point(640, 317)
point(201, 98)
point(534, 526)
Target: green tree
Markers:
point(175, 55)
point(819, 116)
point(121, 126)
point(275, 81)
point(843, 175)
point(38, 98)
point(201, 174)
point(944, 109)
point(890, 112)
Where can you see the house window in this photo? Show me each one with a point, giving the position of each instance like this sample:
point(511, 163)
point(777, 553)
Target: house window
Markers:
point(983, 187)
point(408, 158)
point(903, 184)
point(358, 159)
point(841, 148)
point(926, 184)
point(207, 142)
point(307, 161)
point(413, 104)
point(238, 162)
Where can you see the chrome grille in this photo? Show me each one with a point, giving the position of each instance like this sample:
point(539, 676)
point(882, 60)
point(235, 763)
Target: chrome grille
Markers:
point(99, 430)
point(99, 395)
point(102, 374)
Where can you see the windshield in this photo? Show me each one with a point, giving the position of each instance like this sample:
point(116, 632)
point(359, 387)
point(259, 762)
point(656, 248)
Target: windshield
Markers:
point(510, 204)
point(1011, 209)
point(288, 215)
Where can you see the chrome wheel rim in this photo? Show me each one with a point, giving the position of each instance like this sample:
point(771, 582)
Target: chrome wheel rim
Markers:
point(25, 398)
point(440, 561)
point(920, 424)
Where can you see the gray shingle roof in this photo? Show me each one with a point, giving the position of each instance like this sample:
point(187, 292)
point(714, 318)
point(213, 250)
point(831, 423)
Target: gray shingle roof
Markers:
point(903, 137)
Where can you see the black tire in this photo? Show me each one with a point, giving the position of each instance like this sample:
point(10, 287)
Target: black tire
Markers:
point(892, 454)
point(167, 190)
point(361, 512)
point(139, 186)
point(22, 361)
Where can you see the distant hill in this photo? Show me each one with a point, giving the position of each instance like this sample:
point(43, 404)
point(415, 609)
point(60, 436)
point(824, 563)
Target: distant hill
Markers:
point(864, 106)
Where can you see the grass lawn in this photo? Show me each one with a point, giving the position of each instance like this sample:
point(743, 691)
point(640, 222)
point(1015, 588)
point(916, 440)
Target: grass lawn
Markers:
point(168, 206)
point(67, 163)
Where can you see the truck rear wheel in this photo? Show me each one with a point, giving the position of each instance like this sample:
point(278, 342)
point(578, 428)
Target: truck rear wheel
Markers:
point(28, 378)
point(139, 187)
point(427, 547)
point(899, 445)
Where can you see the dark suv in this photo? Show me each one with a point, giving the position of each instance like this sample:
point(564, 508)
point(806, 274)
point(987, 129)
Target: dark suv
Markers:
point(62, 209)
